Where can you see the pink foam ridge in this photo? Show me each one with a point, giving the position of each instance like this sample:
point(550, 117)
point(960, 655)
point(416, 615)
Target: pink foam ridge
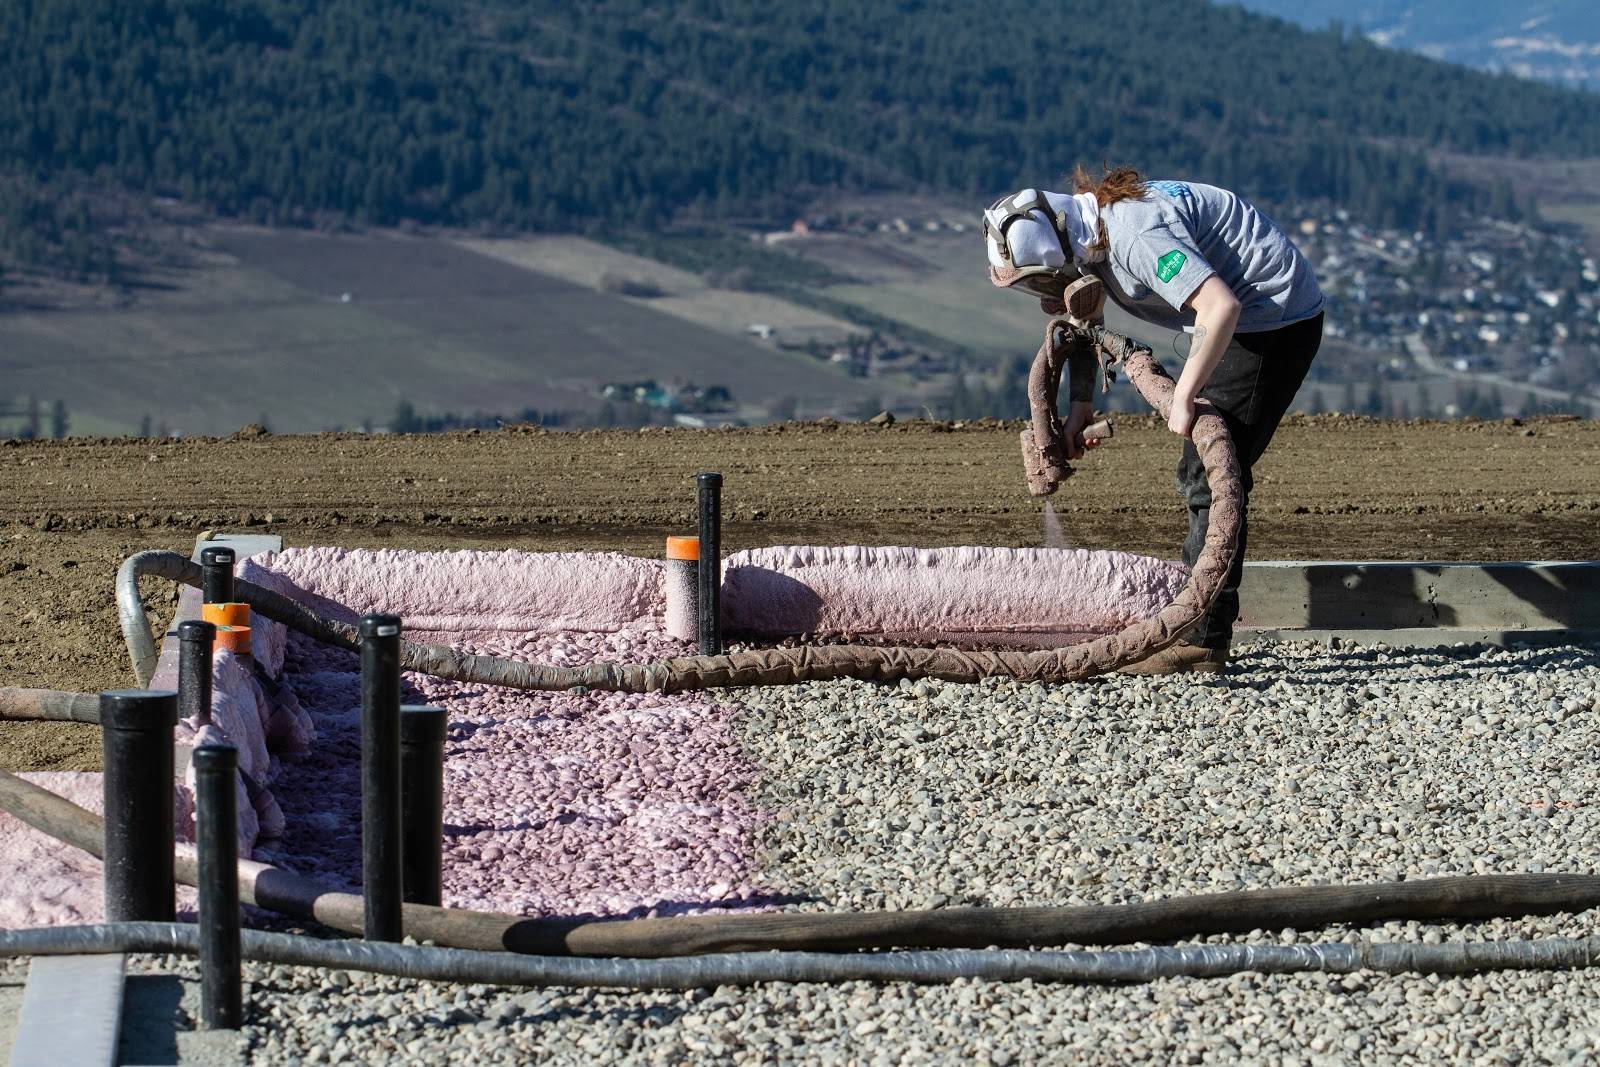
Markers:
point(943, 593)
point(482, 592)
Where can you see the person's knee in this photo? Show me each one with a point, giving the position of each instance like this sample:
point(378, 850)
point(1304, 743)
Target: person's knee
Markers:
point(1191, 480)
point(1194, 489)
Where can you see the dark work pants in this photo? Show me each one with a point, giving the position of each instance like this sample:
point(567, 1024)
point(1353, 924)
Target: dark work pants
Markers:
point(1252, 387)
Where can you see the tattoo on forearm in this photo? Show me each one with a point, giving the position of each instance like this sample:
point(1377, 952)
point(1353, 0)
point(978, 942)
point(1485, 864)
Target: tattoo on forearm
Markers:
point(1187, 344)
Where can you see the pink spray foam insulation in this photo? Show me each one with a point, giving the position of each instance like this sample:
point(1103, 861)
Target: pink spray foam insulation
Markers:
point(482, 593)
point(621, 804)
point(572, 804)
point(262, 727)
point(943, 593)
point(46, 883)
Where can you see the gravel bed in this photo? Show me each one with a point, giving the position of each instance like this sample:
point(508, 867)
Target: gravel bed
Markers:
point(1307, 765)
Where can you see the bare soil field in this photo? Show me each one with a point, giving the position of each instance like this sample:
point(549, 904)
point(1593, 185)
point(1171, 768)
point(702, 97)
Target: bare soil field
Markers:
point(1331, 487)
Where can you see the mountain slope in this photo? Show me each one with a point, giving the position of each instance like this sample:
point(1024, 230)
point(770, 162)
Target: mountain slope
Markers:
point(623, 112)
point(1552, 40)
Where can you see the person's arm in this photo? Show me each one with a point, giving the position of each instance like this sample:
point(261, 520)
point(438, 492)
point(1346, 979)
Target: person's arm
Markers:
point(1216, 313)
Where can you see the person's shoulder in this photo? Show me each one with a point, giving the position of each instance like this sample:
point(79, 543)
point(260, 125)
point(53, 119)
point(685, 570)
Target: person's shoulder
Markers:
point(1129, 219)
point(1133, 206)
point(1128, 222)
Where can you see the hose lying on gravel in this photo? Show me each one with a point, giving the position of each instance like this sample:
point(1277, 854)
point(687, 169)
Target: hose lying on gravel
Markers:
point(747, 968)
point(784, 666)
point(1297, 907)
point(49, 704)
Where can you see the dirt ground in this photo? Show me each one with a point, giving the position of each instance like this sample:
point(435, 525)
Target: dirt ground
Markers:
point(1331, 487)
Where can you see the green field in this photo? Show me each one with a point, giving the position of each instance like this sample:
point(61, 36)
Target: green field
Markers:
point(265, 330)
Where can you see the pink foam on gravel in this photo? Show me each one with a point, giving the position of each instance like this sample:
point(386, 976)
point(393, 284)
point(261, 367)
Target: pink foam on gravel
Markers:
point(943, 592)
point(618, 804)
point(46, 883)
point(555, 803)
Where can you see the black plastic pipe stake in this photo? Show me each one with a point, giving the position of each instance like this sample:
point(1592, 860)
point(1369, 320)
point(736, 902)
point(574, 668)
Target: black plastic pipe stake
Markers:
point(380, 776)
point(136, 749)
point(216, 567)
point(422, 733)
point(217, 843)
point(195, 642)
point(709, 484)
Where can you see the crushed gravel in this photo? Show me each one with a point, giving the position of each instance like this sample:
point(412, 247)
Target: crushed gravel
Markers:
point(1307, 765)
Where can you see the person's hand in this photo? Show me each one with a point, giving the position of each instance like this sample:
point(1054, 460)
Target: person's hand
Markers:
point(1180, 420)
point(1079, 415)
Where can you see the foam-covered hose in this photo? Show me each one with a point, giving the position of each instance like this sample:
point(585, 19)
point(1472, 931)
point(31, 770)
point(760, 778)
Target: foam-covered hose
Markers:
point(49, 704)
point(429, 963)
point(1298, 907)
point(806, 663)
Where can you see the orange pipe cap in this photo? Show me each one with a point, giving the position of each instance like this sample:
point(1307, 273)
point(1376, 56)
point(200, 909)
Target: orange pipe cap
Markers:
point(683, 548)
point(235, 639)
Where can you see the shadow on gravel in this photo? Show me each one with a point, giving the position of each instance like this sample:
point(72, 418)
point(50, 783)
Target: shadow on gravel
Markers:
point(1443, 664)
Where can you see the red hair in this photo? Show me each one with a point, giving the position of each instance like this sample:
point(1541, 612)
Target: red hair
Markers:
point(1116, 183)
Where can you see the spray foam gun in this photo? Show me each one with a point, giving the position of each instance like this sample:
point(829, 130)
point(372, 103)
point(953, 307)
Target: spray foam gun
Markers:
point(1073, 342)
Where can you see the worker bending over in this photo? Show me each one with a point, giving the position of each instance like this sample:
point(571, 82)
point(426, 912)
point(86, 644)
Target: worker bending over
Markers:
point(1187, 257)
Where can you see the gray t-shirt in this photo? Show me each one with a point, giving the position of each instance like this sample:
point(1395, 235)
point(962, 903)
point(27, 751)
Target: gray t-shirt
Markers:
point(1164, 246)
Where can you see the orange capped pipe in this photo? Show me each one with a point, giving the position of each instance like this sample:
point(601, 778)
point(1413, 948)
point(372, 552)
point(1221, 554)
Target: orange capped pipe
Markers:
point(682, 578)
point(226, 614)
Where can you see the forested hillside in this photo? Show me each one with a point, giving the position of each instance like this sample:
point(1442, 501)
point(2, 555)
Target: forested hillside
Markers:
point(554, 115)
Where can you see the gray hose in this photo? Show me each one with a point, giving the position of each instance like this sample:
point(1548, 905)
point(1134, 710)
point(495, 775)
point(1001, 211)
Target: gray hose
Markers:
point(49, 705)
point(1297, 907)
point(747, 968)
point(130, 608)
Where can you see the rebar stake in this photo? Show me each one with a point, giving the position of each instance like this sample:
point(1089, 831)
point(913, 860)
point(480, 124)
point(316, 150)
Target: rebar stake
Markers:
point(380, 776)
point(422, 734)
point(216, 841)
point(216, 564)
point(709, 484)
point(136, 747)
point(195, 641)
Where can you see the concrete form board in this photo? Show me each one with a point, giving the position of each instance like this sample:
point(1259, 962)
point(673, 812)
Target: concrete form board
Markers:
point(1375, 596)
point(71, 1012)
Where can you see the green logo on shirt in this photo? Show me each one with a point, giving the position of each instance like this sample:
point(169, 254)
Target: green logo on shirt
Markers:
point(1168, 266)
